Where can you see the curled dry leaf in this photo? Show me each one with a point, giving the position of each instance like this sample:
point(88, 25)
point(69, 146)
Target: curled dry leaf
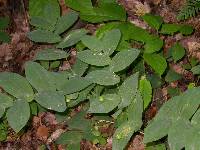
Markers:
point(42, 132)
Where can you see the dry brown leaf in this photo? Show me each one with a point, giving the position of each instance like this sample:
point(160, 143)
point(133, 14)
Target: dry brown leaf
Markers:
point(42, 132)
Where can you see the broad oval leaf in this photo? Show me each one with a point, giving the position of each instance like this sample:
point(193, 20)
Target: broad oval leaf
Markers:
point(104, 104)
point(105, 12)
point(178, 52)
point(44, 13)
point(79, 5)
point(79, 67)
point(146, 91)
point(72, 38)
point(157, 62)
point(186, 29)
point(170, 28)
point(5, 102)
point(196, 70)
point(40, 78)
point(16, 85)
point(103, 77)
point(177, 108)
point(44, 36)
point(18, 115)
point(94, 58)
point(128, 90)
point(123, 134)
point(51, 100)
point(153, 21)
point(65, 22)
point(123, 59)
point(51, 54)
point(153, 45)
point(93, 43)
point(111, 40)
point(75, 84)
point(36, 7)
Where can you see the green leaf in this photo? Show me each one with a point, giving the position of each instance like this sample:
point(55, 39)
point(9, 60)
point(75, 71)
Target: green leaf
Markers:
point(146, 91)
point(104, 104)
point(4, 37)
point(92, 43)
point(153, 21)
point(16, 85)
point(153, 45)
point(157, 62)
point(128, 56)
point(178, 52)
point(170, 28)
point(51, 100)
point(111, 40)
point(94, 58)
point(186, 29)
point(4, 22)
point(75, 84)
point(125, 131)
point(44, 13)
point(177, 108)
point(5, 102)
point(71, 138)
point(78, 122)
point(105, 12)
point(36, 7)
point(103, 77)
point(18, 115)
point(39, 77)
point(156, 147)
point(51, 54)
point(72, 38)
point(187, 134)
point(172, 76)
point(82, 96)
point(65, 22)
point(79, 5)
point(196, 70)
point(79, 68)
point(127, 90)
point(196, 118)
point(43, 36)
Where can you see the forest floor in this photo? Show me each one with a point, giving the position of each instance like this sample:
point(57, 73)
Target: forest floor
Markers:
point(44, 128)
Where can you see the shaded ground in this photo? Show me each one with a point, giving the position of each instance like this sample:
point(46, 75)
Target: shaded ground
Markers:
point(44, 128)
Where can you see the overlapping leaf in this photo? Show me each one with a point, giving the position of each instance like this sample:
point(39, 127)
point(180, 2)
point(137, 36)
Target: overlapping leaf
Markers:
point(157, 62)
point(103, 77)
point(43, 36)
point(51, 100)
point(16, 85)
point(125, 131)
point(72, 38)
point(51, 54)
point(94, 58)
point(18, 115)
point(178, 108)
point(65, 22)
point(128, 89)
point(39, 77)
point(104, 103)
point(123, 59)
